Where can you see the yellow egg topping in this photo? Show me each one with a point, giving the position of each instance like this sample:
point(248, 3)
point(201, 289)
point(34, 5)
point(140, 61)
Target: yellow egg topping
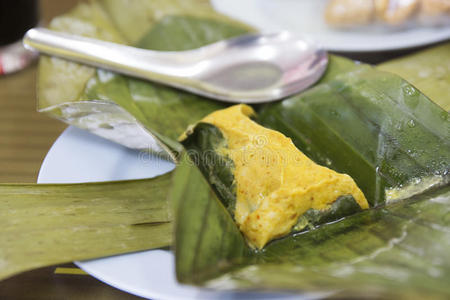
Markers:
point(275, 182)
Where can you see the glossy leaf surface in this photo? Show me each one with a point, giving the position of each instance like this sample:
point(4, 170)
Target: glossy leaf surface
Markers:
point(371, 125)
point(401, 250)
point(428, 70)
point(398, 250)
point(47, 224)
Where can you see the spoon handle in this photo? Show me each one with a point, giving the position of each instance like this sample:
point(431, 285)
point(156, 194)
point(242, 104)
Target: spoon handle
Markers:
point(252, 68)
point(153, 65)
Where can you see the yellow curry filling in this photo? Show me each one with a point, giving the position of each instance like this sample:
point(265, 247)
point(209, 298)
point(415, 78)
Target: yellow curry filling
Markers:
point(275, 182)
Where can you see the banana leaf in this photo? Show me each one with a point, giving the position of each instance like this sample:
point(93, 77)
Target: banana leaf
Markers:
point(398, 137)
point(428, 71)
point(202, 145)
point(220, 241)
point(166, 112)
point(359, 257)
point(156, 25)
point(400, 250)
point(398, 147)
point(47, 224)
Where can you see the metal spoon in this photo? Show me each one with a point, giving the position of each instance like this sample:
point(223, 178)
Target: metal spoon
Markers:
point(248, 69)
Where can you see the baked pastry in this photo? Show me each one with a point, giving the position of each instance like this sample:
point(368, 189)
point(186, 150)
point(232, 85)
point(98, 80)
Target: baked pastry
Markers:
point(349, 13)
point(345, 13)
point(398, 11)
point(435, 7)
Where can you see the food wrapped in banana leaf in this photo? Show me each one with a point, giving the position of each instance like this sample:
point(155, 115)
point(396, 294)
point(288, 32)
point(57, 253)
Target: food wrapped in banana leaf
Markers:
point(375, 127)
point(269, 184)
point(397, 148)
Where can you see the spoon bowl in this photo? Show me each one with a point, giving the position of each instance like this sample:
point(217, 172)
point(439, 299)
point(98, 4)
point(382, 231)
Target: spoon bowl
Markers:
point(252, 68)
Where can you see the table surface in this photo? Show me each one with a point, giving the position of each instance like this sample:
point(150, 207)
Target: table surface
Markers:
point(25, 138)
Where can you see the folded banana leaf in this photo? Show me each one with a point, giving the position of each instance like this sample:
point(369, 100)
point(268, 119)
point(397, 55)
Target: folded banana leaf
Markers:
point(376, 127)
point(399, 250)
point(220, 242)
point(372, 125)
point(359, 257)
point(47, 224)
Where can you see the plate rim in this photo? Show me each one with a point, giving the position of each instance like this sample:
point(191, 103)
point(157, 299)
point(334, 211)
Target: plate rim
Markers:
point(435, 35)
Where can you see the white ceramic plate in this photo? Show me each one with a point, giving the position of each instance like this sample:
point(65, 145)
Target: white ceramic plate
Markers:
point(306, 17)
point(78, 156)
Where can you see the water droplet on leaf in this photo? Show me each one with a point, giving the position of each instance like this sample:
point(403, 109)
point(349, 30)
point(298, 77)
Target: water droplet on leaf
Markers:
point(410, 91)
point(411, 123)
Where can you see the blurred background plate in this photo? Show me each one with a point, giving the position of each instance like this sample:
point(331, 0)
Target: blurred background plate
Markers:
point(306, 17)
